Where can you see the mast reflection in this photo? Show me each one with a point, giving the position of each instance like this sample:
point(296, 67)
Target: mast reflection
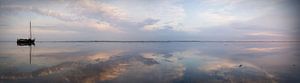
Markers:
point(30, 48)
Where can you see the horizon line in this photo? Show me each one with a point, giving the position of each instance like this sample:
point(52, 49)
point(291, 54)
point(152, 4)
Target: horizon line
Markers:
point(166, 41)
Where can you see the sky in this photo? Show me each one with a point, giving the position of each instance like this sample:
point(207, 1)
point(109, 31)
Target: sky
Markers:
point(134, 20)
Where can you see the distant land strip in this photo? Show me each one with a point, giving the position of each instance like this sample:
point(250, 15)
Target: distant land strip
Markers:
point(157, 41)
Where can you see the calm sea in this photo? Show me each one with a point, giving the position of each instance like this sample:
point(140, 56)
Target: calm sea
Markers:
point(150, 62)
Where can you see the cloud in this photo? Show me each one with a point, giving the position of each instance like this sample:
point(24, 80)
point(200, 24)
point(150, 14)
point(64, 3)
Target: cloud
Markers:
point(150, 21)
point(169, 14)
point(214, 13)
point(100, 25)
point(216, 19)
point(75, 18)
point(41, 11)
point(104, 10)
point(156, 19)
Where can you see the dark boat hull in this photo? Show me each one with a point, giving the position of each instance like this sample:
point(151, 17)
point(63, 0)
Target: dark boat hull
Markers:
point(23, 42)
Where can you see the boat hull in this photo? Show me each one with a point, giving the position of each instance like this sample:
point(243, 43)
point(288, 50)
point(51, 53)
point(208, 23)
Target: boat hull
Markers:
point(23, 42)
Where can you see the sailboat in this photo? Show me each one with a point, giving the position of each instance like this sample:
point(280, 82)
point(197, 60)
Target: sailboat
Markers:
point(28, 41)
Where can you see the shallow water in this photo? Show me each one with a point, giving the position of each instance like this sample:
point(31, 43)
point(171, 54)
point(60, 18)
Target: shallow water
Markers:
point(150, 62)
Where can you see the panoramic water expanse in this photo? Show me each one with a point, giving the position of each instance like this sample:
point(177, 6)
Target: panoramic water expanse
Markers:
point(150, 62)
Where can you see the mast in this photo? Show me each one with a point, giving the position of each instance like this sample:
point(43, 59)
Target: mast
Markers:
point(30, 31)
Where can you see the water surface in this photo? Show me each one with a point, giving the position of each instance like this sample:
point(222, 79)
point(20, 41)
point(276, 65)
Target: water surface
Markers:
point(150, 62)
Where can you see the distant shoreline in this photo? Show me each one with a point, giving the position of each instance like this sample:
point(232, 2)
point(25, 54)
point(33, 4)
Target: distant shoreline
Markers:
point(158, 41)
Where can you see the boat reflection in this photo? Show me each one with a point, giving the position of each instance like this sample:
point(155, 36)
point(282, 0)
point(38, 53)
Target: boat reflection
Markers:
point(30, 48)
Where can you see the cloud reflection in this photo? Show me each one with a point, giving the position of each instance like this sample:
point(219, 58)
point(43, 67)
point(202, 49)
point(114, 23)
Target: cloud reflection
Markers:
point(262, 49)
point(114, 64)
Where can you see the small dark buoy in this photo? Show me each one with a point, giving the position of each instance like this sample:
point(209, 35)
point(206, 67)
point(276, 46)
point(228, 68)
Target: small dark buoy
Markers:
point(240, 65)
point(294, 65)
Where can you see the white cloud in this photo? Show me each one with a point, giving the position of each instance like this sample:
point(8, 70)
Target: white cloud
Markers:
point(214, 13)
point(76, 18)
point(216, 19)
point(99, 25)
point(102, 9)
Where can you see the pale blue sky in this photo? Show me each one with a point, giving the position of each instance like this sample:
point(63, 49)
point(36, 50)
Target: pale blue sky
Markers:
point(147, 19)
